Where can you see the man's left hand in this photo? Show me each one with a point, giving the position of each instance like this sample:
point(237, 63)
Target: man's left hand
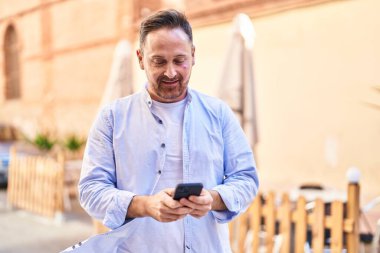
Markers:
point(201, 204)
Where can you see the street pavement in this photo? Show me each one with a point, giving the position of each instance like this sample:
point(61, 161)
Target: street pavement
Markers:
point(24, 232)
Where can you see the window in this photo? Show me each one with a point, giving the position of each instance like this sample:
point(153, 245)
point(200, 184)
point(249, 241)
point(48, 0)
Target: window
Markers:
point(12, 66)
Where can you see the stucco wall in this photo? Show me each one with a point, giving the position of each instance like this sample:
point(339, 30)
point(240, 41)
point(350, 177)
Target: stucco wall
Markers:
point(65, 56)
point(315, 69)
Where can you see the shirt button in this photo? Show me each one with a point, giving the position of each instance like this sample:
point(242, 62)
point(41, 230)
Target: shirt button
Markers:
point(159, 172)
point(163, 145)
point(160, 121)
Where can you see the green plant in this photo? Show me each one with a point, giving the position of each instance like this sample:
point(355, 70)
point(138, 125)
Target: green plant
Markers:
point(43, 142)
point(73, 143)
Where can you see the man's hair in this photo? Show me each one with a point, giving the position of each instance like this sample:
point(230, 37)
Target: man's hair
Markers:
point(165, 19)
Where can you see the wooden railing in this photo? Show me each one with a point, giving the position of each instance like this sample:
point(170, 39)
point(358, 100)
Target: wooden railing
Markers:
point(283, 227)
point(35, 183)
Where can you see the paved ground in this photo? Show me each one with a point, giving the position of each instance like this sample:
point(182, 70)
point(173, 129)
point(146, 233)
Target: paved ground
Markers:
point(23, 232)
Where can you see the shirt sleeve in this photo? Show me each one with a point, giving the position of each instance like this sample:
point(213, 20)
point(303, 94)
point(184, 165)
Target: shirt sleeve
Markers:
point(241, 182)
point(98, 194)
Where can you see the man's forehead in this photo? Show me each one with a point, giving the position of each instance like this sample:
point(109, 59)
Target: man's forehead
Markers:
point(167, 34)
point(167, 44)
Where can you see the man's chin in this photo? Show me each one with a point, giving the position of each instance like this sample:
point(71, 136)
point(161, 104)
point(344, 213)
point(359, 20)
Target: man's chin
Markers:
point(171, 97)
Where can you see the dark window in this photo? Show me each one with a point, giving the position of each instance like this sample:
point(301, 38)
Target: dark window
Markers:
point(12, 65)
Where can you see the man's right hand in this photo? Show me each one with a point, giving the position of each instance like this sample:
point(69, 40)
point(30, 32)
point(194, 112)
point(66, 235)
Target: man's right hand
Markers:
point(161, 207)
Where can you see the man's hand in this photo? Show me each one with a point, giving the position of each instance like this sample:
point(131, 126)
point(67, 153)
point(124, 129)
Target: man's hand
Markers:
point(200, 205)
point(161, 206)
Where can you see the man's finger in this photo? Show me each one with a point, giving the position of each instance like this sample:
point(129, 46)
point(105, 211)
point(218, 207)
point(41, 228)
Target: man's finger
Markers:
point(201, 200)
point(180, 211)
point(169, 191)
point(188, 203)
point(198, 213)
point(171, 203)
point(195, 205)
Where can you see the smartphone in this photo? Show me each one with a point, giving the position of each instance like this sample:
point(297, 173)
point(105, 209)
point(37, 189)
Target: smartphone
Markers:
point(186, 190)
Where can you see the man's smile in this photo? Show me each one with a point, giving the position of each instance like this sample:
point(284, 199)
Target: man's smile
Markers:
point(169, 83)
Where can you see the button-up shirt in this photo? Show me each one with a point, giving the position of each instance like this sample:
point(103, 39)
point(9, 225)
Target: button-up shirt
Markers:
point(125, 156)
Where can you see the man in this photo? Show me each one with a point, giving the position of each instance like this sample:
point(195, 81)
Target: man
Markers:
point(141, 146)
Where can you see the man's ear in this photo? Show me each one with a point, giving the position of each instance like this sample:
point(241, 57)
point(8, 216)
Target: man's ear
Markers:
point(193, 54)
point(140, 58)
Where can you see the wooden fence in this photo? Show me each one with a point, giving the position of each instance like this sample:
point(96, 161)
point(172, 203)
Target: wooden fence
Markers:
point(284, 227)
point(36, 183)
point(268, 226)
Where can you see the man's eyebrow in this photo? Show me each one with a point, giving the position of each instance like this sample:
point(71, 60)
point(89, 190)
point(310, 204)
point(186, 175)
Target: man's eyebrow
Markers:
point(160, 56)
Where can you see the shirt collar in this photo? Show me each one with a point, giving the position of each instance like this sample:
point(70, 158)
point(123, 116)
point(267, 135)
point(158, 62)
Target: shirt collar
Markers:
point(147, 98)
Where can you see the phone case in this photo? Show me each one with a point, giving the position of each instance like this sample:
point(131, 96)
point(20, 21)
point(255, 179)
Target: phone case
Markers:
point(187, 189)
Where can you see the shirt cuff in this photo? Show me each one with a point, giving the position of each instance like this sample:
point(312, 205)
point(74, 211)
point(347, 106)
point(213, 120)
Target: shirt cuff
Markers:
point(117, 210)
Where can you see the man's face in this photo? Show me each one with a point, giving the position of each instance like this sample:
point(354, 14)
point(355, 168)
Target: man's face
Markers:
point(167, 58)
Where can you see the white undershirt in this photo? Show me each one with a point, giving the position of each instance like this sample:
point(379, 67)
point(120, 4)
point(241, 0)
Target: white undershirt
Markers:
point(171, 115)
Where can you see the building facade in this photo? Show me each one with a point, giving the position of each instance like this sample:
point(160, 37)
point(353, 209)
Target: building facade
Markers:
point(316, 65)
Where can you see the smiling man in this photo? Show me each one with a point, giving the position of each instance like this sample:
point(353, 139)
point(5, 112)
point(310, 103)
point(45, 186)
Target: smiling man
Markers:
point(167, 56)
point(142, 146)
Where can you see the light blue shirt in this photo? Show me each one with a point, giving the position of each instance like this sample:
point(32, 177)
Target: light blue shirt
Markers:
point(125, 156)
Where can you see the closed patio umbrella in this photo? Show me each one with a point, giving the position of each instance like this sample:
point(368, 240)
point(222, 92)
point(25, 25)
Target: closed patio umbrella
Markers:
point(119, 82)
point(237, 79)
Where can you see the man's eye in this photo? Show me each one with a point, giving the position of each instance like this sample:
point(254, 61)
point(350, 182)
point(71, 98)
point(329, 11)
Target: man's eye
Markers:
point(158, 61)
point(179, 61)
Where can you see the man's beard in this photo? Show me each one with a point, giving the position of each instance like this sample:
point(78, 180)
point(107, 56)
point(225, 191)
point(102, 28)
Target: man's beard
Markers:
point(167, 92)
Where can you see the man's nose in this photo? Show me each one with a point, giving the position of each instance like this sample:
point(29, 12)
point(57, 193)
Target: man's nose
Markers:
point(170, 71)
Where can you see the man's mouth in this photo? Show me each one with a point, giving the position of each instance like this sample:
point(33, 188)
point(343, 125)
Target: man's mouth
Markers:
point(169, 82)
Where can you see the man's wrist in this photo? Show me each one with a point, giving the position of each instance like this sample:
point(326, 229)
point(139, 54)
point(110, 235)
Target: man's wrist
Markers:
point(217, 203)
point(137, 207)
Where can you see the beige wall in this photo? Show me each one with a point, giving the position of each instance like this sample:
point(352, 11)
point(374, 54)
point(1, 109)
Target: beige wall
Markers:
point(80, 22)
point(11, 7)
point(315, 69)
point(65, 56)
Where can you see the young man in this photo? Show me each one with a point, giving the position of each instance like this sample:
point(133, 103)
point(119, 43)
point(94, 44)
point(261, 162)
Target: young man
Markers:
point(141, 146)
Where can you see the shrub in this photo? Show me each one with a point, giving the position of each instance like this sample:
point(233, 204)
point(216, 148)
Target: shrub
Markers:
point(43, 142)
point(73, 143)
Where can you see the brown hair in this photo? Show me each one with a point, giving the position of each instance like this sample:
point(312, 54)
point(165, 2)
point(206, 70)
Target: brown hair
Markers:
point(166, 18)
